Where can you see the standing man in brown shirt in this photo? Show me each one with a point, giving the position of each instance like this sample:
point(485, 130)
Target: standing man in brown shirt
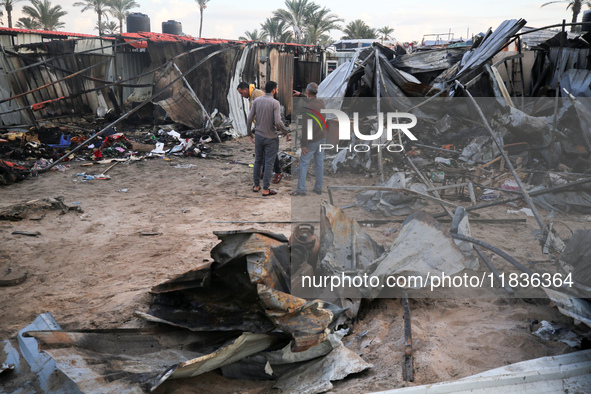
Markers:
point(266, 137)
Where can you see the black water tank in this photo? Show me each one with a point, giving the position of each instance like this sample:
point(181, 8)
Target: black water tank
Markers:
point(172, 27)
point(586, 21)
point(138, 22)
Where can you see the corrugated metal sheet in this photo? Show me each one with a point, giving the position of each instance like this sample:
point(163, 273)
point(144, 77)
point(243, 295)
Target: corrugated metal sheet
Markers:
point(212, 82)
point(492, 44)
point(567, 373)
point(130, 64)
point(35, 77)
point(239, 106)
point(60, 34)
point(285, 81)
point(572, 58)
point(6, 92)
point(88, 44)
point(163, 37)
point(428, 61)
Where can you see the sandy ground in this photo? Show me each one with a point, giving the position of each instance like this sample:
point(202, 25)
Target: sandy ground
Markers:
point(93, 270)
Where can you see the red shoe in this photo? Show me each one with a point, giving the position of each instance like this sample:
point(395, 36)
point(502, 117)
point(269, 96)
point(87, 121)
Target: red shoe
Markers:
point(277, 178)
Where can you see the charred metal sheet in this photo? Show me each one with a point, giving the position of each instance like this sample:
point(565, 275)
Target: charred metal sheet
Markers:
point(429, 61)
point(490, 46)
point(182, 107)
point(244, 346)
point(191, 279)
point(245, 289)
point(316, 376)
point(132, 361)
point(432, 252)
point(344, 246)
point(315, 367)
point(577, 308)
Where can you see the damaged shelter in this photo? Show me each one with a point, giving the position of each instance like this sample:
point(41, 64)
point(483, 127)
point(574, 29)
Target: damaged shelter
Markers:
point(55, 76)
point(54, 82)
point(266, 307)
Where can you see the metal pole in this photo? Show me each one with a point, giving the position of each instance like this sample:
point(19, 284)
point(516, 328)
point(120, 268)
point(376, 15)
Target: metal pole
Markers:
point(508, 162)
point(211, 126)
point(517, 198)
point(408, 370)
point(492, 268)
point(558, 76)
point(378, 93)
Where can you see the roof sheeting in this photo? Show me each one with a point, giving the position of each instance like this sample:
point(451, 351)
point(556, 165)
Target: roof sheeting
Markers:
point(490, 46)
point(50, 33)
point(565, 373)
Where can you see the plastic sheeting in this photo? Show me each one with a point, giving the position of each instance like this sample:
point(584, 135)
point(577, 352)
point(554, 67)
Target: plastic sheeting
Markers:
point(332, 89)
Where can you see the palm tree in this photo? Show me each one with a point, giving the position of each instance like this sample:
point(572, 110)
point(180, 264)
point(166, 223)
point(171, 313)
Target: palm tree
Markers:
point(318, 24)
point(296, 15)
point(43, 15)
point(27, 23)
point(8, 6)
point(98, 6)
point(276, 30)
point(385, 32)
point(119, 9)
point(575, 5)
point(254, 35)
point(108, 27)
point(202, 6)
point(358, 29)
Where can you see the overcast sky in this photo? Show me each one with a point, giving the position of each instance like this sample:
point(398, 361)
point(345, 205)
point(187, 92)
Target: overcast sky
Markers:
point(410, 19)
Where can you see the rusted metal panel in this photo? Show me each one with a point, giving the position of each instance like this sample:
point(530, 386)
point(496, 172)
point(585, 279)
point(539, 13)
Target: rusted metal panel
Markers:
point(130, 64)
point(248, 290)
point(183, 108)
point(134, 361)
point(285, 81)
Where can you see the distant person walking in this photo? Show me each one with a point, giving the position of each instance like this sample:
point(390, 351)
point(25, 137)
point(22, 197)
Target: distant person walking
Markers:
point(311, 146)
point(251, 93)
point(266, 110)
